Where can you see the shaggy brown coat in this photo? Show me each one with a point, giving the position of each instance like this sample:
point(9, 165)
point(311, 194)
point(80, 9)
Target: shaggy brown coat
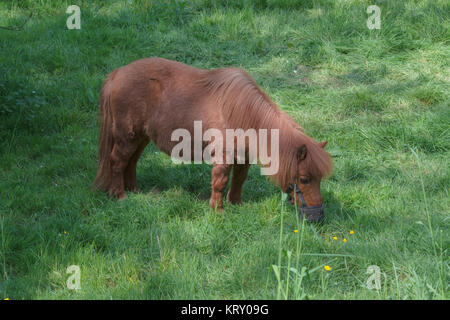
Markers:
point(148, 99)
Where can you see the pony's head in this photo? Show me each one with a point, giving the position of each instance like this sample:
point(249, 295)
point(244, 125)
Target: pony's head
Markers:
point(303, 162)
point(312, 164)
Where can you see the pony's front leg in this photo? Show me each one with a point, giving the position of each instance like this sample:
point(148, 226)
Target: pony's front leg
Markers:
point(240, 172)
point(219, 180)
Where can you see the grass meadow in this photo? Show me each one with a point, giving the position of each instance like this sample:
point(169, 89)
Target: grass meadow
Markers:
point(380, 97)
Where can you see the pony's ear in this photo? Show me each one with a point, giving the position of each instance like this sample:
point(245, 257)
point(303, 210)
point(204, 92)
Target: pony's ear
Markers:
point(301, 153)
point(323, 144)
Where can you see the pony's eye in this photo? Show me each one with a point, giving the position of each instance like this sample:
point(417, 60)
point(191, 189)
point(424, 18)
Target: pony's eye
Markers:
point(304, 180)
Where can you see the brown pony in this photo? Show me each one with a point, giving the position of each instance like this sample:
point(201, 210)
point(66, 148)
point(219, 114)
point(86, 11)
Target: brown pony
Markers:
point(148, 99)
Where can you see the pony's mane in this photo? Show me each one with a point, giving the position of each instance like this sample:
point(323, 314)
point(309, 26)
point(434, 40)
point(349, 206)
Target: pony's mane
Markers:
point(244, 105)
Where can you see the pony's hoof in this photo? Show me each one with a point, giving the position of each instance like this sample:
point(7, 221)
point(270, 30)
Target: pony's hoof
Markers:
point(121, 197)
point(134, 189)
point(219, 210)
point(234, 201)
point(215, 207)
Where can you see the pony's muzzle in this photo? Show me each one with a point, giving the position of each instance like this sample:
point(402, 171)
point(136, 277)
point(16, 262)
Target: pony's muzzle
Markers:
point(313, 214)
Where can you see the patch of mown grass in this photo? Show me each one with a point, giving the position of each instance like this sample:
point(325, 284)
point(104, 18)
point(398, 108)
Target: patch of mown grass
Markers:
point(380, 97)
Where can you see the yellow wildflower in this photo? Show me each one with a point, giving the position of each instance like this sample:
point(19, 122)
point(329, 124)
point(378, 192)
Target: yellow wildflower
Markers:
point(296, 231)
point(335, 238)
point(352, 232)
point(328, 268)
point(345, 240)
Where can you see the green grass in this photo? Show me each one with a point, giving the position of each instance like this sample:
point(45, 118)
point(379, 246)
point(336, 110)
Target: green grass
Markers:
point(380, 97)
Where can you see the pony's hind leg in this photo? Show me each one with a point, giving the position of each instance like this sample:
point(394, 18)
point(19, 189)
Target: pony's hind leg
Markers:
point(121, 154)
point(240, 172)
point(130, 178)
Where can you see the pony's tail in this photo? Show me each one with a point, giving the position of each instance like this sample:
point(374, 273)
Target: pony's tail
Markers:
point(106, 141)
